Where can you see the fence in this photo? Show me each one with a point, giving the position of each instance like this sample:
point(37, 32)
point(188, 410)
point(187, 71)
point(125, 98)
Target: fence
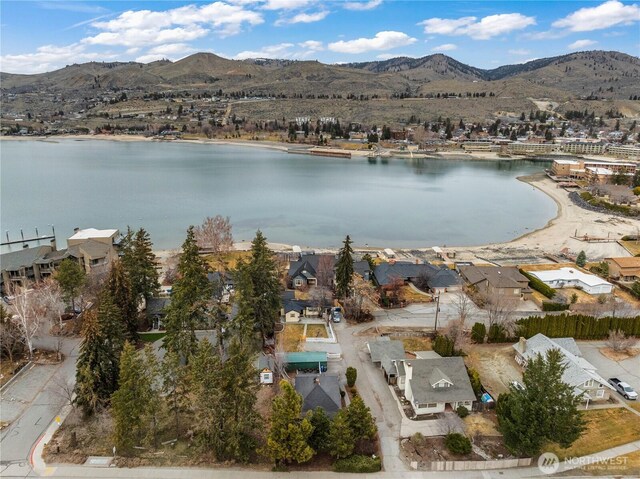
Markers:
point(474, 465)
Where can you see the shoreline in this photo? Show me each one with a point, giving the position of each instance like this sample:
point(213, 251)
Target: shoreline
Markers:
point(461, 155)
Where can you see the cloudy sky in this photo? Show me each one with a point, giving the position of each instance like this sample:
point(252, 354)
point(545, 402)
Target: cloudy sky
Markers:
point(40, 36)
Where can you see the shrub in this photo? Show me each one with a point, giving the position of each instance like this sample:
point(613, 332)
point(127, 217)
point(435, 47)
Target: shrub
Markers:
point(352, 375)
point(457, 443)
point(577, 326)
point(474, 379)
point(551, 306)
point(636, 191)
point(497, 334)
point(418, 439)
point(539, 286)
point(478, 333)
point(462, 411)
point(358, 463)
point(444, 346)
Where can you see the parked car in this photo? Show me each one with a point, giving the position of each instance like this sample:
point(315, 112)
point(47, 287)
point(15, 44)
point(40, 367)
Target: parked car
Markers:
point(336, 315)
point(517, 385)
point(624, 389)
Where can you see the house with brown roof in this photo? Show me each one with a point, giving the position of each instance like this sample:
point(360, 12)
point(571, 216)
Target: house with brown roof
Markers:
point(624, 269)
point(491, 281)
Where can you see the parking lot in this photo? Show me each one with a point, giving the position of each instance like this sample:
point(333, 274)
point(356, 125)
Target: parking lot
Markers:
point(627, 370)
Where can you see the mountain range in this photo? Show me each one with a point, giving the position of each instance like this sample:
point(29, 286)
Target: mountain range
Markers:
point(606, 74)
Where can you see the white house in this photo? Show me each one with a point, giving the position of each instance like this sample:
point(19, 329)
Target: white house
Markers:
point(438, 384)
point(573, 278)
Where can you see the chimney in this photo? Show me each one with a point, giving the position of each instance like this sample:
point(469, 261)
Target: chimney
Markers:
point(54, 246)
point(522, 344)
point(316, 380)
point(75, 230)
point(408, 370)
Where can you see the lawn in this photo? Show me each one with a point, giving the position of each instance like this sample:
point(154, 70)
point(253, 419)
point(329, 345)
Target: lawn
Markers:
point(152, 337)
point(409, 295)
point(227, 261)
point(627, 465)
point(291, 337)
point(606, 428)
point(317, 331)
point(415, 343)
point(632, 247)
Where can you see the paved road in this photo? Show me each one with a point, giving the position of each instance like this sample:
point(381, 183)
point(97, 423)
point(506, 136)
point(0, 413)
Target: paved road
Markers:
point(32, 402)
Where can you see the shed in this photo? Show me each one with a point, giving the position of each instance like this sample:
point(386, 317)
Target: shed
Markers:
point(307, 360)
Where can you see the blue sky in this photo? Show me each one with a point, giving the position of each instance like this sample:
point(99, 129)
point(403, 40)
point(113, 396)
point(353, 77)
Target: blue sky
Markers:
point(40, 36)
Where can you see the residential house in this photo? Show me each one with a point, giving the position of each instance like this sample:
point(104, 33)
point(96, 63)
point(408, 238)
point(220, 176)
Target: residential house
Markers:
point(156, 311)
point(573, 278)
point(438, 385)
point(295, 309)
point(493, 281)
point(97, 248)
point(223, 285)
point(389, 356)
point(319, 390)
point(438, 279)
point(624, 269)
point(313, 269)
point(20, 268)
point(265, 366)
point(580, 374)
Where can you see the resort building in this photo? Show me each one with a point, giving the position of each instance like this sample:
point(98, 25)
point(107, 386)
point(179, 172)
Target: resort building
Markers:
point(595, 171)
point(625, 151)
point(583, 148)
point(573, 278)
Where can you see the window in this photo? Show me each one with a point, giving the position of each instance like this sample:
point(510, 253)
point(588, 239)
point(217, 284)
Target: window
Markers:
point(589, 383)
point(432, 405)
point(600, 393)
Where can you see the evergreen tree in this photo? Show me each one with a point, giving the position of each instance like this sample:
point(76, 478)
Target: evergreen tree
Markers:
point(71, 277)
point(128, 403)
point(319, 440)
point(360, 420)
point(205, 368)
point(288, 438)
point(340, 436)
point(119, 286)
point(344, 269)
point(99, 359)
point(151, 395)
point(545, 410)
point(140, 263)
point(191, 293)
point(244, 322)
point(175, 386)
point(266, 285)
point(581, 260)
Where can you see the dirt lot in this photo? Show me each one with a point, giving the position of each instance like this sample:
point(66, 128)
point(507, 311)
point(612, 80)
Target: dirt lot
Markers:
point(290, 340)
point(482, 424)
point(496, 365)
point(415, 343)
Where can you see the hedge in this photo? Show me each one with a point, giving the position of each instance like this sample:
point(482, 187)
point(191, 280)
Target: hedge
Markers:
point(578, 326)
point(357, 463)
point(457, 443)
point(539, 286)
point(551, 306)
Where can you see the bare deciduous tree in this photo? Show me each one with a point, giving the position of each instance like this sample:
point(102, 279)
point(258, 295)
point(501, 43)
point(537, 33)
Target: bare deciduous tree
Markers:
point(363, 291)
point(321, 297)
point(463, 306)
point(11, 343)
point(455, 330)
point(214, 235)
point(619, 342)
point(65, 389)
point(500, 311)
point(324, 273)
point(30, 309)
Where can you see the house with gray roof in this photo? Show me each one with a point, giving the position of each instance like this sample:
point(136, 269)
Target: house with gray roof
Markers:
point(389, 356)
point(307, 270)
point(319, 390)
point(438, 384)
point(579, 373)
point(438, 279)
point(492, 281)
point(20, 268)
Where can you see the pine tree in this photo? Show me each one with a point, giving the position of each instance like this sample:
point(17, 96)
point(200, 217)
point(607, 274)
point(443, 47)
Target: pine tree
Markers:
point(244, 322)
point(266, 285)
point(128, 402)
point(119, 286)
point(360, 420)
point(205, 368)
point(151, 395)
point(319, 440)
point(191, 293)
point(71, 277)
point(581, 260)
point(340, 436)
point(99, 359)
point(545, 410)
point(140, 263)
point(288, 438)
point(175, 386)
point(344, 269)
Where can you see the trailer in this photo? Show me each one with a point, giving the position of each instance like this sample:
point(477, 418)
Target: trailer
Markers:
point(315, 361)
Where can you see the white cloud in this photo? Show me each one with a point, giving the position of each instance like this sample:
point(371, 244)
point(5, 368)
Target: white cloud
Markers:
point(488, 27)
point(50, 57)
point(579, 44)
point(286, 4)
point(447, 47)
point(360, 6)
point(382, 41)
point(304, 18)
point(281, 50)
point(312, 45)
point(145, 27)
point(604, 15)
point(519, 51)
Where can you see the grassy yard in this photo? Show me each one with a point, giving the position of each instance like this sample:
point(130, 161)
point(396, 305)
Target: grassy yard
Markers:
point(632, 247)
point(627, 465)
point(415, 343)
point(317, 331)
point(152, 337)
point(606, 428)
point(410, 295)
point(291, 337)
point(228, 261)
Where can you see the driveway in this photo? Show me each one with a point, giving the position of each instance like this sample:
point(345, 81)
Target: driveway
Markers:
point(627, 370)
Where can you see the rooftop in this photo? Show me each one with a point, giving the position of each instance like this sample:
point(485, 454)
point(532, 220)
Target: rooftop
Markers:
point(427, 372)
point(319, 390)
point(569, 274)
point(93, 233)
point(23, 258)
point(627, 262)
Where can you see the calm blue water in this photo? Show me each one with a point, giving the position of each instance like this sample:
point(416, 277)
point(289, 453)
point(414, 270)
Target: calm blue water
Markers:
point(295, 199)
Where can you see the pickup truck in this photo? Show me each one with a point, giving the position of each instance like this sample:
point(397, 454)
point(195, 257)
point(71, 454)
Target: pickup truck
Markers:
point(624, 389)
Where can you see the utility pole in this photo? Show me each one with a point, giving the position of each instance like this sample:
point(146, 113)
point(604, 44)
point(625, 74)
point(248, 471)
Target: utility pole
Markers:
point(435, 326)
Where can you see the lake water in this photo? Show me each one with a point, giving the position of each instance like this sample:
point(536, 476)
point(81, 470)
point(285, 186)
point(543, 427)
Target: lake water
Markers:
point(295, 199)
